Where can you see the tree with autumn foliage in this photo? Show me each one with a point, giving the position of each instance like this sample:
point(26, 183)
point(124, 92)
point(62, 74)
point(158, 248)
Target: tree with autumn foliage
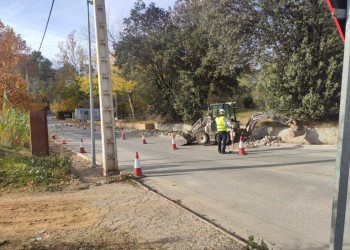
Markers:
point(120, 86)
point(13, 58)
point(72, 64)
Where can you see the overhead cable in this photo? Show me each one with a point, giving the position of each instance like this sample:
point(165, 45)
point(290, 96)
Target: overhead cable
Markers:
point(47, 23)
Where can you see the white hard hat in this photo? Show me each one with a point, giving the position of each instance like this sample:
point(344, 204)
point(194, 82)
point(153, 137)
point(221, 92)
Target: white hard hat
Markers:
point(222, 111)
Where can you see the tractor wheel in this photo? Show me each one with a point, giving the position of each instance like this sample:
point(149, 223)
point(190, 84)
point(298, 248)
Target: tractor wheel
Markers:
point(202, 138)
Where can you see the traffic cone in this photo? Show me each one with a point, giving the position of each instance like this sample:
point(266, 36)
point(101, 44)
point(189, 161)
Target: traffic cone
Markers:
point(137, 167)
point(123, 136)
point(53, 135)
point(173, 143)
point(82, 150)
point(143, 138)
point(84, 127)
point(63, 140)
point(241, 147)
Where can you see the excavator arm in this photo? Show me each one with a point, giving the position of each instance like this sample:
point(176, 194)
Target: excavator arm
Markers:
point(271, 115)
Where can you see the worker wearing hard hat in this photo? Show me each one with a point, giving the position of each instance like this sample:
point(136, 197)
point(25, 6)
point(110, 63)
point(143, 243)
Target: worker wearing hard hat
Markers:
point(221, 125)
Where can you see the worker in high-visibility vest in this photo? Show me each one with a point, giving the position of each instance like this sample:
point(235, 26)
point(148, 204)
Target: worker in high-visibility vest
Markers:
point(221, 125)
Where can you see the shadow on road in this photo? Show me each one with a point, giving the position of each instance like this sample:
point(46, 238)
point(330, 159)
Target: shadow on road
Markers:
point(148, 169)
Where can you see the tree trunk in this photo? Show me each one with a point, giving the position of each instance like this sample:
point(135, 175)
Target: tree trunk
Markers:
point(131, 105)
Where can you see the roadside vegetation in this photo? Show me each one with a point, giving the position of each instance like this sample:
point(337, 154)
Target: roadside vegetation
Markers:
point(21, 171)
point(254, 245)
point(14, 126)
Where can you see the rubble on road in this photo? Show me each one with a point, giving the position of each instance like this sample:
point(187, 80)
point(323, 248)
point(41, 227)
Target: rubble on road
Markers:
point(273, 141)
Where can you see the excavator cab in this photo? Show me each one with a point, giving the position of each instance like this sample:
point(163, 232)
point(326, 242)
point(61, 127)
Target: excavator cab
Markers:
point(230, 113)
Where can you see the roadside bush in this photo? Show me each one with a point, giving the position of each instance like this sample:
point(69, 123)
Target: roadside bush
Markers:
point(49, 173)
point(14, 127)
point(253, 245)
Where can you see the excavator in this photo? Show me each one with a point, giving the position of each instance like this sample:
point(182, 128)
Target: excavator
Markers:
point(204, 130)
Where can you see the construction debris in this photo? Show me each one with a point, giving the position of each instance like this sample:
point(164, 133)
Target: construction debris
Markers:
point(273, 141)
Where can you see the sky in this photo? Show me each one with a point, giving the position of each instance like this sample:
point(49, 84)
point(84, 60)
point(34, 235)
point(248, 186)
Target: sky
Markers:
point(28, 18)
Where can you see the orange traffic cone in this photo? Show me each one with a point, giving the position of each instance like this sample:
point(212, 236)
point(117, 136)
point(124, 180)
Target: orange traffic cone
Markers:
point(241, 147)
point(123, 136)
point(63, 140)
point(137, 167)
point(82, 150)
point(173, 143)
point(143, 138)
point(53, 135)
point(84, 127)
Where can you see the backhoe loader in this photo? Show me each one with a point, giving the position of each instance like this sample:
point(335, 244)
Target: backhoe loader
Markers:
point(204, 130)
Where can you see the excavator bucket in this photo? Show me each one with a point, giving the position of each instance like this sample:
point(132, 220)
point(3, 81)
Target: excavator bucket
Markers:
point(184, 139)
point(276, 117)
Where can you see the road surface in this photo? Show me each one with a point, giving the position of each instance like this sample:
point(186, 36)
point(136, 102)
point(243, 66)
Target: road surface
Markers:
point(281, 194)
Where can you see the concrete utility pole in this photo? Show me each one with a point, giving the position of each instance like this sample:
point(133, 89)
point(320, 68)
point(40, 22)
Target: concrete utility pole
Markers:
point(341, 177)
point(92, 114)
point(109, 144)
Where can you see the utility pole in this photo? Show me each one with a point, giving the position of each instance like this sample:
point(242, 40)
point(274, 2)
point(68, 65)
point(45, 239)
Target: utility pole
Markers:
point(92, 115)
point(341, 177)
point(109, 144)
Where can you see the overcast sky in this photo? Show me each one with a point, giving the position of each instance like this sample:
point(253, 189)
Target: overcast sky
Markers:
point(28, 18)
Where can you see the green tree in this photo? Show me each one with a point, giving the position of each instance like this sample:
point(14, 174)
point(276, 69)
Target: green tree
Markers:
point(140, 56)
point(300, 54)
point(167, 53)
point(40, 75)
point(199, 67)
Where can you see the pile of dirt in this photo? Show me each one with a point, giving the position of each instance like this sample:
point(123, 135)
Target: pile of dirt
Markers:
point(273, 141)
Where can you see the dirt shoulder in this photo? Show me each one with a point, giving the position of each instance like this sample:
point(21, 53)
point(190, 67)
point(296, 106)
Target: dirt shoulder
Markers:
point(91, 213)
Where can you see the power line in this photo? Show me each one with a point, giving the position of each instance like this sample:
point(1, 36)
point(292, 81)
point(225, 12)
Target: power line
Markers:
point(47, 23)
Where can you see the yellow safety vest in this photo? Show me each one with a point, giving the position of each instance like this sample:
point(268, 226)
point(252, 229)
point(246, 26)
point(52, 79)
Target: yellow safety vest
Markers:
point(220, 123)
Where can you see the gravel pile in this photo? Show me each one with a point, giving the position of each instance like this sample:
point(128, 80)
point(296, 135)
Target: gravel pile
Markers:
point(273, 141)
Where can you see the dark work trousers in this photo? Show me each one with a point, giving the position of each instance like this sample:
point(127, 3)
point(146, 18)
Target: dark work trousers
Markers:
point(222, 136)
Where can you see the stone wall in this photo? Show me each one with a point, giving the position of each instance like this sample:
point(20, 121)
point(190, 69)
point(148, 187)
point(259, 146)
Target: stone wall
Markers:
point(179, 127)
point(326, 135)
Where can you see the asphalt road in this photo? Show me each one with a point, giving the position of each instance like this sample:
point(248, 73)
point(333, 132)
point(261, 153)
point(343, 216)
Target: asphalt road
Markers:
point(281, 194)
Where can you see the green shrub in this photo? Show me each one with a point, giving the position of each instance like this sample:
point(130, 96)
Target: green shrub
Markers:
point(253, 245)
point(49, 173)
point(14, 127)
